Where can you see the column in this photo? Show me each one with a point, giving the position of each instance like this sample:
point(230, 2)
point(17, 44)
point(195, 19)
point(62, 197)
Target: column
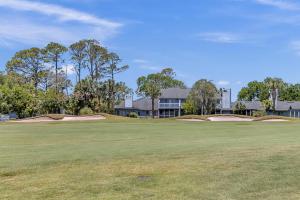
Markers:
point(179, 112)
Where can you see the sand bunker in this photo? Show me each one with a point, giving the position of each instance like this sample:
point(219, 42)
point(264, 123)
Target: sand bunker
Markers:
point(67, 118)
point(275, 120)
point(84, 118)
point(191, 120)
point(229, 119)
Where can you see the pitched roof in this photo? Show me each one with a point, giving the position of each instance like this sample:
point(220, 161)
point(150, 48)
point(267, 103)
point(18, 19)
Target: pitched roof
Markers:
point(140, 104)
point(281, 105)
point(253, 105)
point(175, 93)
point(287, 105)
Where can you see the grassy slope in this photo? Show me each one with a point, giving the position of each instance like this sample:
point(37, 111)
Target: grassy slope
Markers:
point(150, 160)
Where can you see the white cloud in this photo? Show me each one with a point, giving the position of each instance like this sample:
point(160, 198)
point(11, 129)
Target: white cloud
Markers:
point(19, 31)
point(295, 46)
point(140, 61)
point(223, 83)
point(62, 13)
point(25, 32)
point(69, 68)
point(281, 4)
point(220, 37)
point(144, 64)
point(21, 28)
point(151, 68)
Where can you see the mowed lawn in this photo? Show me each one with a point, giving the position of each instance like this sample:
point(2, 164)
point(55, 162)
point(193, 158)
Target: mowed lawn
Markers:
point(150, 160)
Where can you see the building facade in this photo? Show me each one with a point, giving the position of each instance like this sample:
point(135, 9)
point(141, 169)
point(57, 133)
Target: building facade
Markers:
point(170, 104)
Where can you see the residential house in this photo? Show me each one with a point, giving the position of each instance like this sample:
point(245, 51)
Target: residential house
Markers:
point(170, 103)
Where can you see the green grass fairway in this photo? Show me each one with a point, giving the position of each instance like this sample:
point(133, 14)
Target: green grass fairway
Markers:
point(150, 160)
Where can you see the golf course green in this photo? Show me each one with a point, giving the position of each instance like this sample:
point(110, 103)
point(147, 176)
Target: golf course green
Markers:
point(150, 159)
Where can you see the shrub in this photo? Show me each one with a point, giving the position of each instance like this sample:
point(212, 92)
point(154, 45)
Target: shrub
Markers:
point(259, 113)
point(56, 116)
point(133, 115)
point(86, 111)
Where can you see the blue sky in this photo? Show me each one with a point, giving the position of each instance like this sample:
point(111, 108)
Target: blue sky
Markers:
point(230, 42)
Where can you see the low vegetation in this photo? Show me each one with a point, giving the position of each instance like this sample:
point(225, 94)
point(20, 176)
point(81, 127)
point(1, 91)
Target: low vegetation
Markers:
point(205, 117)
point(254, 118)
point(55, 116)
point(275, 117)
point(133, 115)
point(86, 111)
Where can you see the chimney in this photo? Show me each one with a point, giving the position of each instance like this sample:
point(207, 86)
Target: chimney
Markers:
point(226, 98)
point(129, 101)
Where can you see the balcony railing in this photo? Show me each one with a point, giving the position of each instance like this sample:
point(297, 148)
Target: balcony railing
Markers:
point(169, 105)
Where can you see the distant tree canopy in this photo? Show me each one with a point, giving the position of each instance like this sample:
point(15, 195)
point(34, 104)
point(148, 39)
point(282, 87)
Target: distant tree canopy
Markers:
point(37, 80)
point(266, 90)
point(152, 84)
point(202, 98)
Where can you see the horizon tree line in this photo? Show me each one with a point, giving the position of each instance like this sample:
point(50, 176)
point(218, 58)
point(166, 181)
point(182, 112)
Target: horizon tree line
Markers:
point(37, 82)
point(42, 73)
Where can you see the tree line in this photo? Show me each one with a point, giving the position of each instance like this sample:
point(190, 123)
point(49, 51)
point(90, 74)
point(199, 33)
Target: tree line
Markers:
point(267, 90)
point(36, 80)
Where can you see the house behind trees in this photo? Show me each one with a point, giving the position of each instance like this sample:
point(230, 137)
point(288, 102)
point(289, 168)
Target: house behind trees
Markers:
point(170, 104)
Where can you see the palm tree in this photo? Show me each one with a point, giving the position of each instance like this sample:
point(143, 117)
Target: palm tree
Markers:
point(274, 85)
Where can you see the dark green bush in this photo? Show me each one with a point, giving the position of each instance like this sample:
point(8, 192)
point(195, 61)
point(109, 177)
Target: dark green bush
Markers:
point(133, 115)
point(259, 113)
point(86, 111)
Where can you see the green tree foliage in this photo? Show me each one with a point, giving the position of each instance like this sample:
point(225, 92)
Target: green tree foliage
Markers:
point(30, 64)
point(290, 93)
point(239, 108)
point(274, 85)
point(189, 107)
point(95, 56)
point(203, 97)
point(152, 84)
point(77, 52)
point(110, 70)
point(267, 89)
point(54, 54)
point(51, 101)
point(20, 99)
point(267, 104)
point(36, 80)
point(254, 91)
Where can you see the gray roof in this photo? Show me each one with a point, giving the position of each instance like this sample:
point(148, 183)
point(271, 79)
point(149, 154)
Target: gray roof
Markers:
point(287, 105)
point(253, 105)
point(281, 105)
point(140, 104)
point(175, 93)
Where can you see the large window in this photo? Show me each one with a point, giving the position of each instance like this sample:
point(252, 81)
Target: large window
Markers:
point(169, 100)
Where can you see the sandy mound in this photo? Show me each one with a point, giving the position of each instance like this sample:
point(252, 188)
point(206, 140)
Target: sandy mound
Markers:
point(38, 119)
point(229, 119)
point(67, 118)
point(191, 120)
point(84, 118)
point(275, 120)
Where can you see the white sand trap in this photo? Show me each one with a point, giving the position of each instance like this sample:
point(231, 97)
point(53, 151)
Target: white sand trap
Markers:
point(83, 118)
point(191, 120)
point(229, 119)
point(67, 118)
point(275, 120)
point(34, 120)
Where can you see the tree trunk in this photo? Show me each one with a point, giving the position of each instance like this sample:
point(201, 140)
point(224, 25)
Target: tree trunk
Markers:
point(152, 99)
point(112, 93)
point(67, 89)
point(56, 74)
point(79, 76)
